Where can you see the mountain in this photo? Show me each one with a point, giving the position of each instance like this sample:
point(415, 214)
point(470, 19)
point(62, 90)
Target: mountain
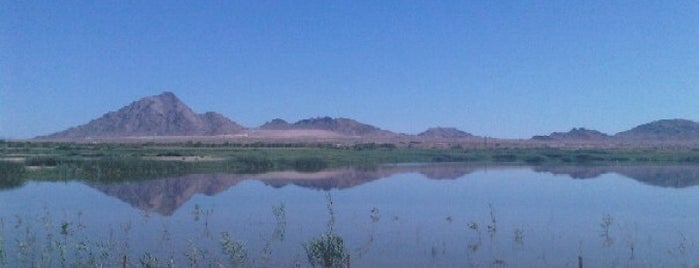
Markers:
point(662, 130)
point(444, 133)
point(575, 134)
point(161, 115)
point(342, 126)
point(276, 124)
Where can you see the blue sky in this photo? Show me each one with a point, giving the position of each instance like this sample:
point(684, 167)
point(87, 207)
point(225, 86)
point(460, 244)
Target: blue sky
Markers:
point(508, 69)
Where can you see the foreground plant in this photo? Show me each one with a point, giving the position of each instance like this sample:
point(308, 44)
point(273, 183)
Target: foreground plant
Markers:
point(234, 249)
point(328, 250)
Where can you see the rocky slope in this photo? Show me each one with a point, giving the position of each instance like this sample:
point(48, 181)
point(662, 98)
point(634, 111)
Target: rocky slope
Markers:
point(660, 131)
point(444, 133)
point(161, 115)
point(575, 134)
point(343, 126)
point(663, 130)
point(165, 115)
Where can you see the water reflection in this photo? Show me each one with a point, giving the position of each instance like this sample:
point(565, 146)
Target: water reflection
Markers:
point(675, 176)
point(165, 196)
point(393, 216)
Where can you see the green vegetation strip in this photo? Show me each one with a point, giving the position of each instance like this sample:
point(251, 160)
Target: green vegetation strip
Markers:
point(119, 162)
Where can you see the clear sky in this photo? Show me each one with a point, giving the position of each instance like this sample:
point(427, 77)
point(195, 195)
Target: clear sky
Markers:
point(497, 68)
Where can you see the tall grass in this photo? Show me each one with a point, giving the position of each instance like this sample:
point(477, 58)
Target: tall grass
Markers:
point(123, 162)
point(12, 174)
point(48, 241)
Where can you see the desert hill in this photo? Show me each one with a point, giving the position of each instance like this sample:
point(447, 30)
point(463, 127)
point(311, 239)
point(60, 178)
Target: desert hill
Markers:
point(161, 115)
point(444, 133)
point(575, 134)
point(344, 126)
point(663, 130)
point(166, 115)
point(667, 131)
point(276, 124)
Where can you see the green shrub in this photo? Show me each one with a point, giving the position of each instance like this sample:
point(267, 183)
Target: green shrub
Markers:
point(251, 164)
point(505, 158)
point(309, 164)
point(328, 250)
point(42, 162)
point(11, 175)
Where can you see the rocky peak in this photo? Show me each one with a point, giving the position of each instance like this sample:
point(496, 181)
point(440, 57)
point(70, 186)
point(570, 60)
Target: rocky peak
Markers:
point(343, 126)
point(277, 124)
point(575, 134)
point(444, 132)
point(160, 115)
point(663, 130)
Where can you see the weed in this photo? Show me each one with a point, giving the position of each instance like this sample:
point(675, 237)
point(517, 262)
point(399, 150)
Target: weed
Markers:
point(492, 227)
point(681, 248)
point(375, 215)
point(3, 254)
point(474, 245)
point(234, 250)
point(280, 216)
point(194, 255)
point(473, 225)
point(606, 224)
point(149, 261)
point(331, 212)
point(328, 250)
point(12, 175)
point(519, 236)
point(196, 212)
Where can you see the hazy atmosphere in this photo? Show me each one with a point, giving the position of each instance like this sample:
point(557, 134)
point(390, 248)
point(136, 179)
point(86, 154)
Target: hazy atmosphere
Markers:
point(508, 69)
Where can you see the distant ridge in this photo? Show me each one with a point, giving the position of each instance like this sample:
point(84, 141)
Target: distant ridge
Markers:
point(276, 124)
point(160, 115)
point(444, 133)
point(344, 126)
point(575, 134)
point(663, 130)
point(165, 115)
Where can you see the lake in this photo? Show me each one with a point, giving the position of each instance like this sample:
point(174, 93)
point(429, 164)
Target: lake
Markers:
point(395, 216)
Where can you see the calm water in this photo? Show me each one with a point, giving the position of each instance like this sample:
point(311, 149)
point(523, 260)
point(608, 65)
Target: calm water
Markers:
point(397, 216)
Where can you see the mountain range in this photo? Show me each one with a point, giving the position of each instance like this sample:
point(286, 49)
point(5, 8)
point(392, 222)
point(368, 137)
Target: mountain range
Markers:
point(342, 126)
point(666, 130)
point(165, 115)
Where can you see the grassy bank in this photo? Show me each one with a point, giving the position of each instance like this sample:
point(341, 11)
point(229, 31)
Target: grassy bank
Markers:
point(119, 162)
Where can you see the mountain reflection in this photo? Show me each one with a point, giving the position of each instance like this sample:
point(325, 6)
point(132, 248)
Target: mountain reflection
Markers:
point(674, 176)
point(165, 196)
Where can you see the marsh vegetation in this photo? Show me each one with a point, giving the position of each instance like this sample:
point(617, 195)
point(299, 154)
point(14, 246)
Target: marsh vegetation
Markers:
point(106, 205)
point(508, 217)
point(40, 240)
point(131, 162)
